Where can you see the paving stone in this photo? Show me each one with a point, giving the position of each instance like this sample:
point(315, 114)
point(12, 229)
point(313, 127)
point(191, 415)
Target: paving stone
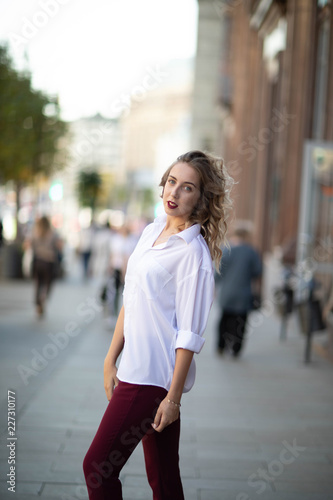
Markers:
point(231, 453)
point(276, 436)
point(68, 448)
point(136, 493)
point(325, 488)
point(24, 496)
point(312, 455)
point(25, 490)
point(28, 488)
point(132, 482)
point(225, 436)
point(219, 484)
point(228, 468)
point(227, 495)
point(68, 491)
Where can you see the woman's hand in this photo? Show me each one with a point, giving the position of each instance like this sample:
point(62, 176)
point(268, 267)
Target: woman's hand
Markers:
point(166, 414)
point(110, 378)
point(110, 370)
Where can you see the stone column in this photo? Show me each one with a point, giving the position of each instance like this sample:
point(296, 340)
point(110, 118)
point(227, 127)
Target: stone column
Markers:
point(296, 106)
point(205, 112)
point(329, 115)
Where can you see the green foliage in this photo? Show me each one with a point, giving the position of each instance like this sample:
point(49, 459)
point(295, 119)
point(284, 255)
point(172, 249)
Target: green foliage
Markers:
point(147, 200)
point(88, 188)
point(29, 133)
point(120, 196)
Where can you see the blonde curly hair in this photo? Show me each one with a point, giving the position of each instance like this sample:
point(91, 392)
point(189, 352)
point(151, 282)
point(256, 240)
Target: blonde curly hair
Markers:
point(214, 206)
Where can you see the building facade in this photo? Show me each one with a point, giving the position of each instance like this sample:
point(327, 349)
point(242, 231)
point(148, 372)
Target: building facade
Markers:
point(274, 91)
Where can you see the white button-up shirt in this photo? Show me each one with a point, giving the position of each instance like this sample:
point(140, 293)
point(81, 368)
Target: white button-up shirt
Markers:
point(168, 294)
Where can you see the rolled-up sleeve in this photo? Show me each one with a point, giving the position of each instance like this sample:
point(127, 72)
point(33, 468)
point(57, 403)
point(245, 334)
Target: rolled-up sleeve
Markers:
point(194, 299)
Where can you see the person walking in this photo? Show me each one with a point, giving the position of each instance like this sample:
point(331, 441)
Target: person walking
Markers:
point(240, 272)
point(86, 238)
point(122, 244)
point(100, 254)
point(1, 233)
point(168, 293)
point(117, 268)
point(46, 248)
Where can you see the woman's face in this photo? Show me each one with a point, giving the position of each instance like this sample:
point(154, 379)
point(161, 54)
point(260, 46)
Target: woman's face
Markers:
point(181, 191)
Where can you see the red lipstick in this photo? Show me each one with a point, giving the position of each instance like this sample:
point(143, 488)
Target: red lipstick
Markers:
point(172, 205)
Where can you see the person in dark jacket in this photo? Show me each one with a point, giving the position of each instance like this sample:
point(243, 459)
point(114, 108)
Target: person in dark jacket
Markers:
point(240, 272)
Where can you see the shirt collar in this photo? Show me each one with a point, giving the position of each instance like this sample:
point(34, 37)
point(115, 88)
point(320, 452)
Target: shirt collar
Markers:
point(187, 235)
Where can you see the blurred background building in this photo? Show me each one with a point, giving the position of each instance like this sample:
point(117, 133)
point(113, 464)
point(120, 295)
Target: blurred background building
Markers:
point(94, 147)
point(267, 91)
point(156, 128)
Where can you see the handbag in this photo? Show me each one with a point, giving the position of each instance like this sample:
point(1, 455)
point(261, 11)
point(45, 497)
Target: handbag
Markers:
point(311, 310)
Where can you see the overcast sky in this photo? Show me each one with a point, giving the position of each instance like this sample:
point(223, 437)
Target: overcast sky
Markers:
point(90, 52)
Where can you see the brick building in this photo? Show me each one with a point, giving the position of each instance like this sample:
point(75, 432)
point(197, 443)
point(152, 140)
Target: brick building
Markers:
point(269, 89)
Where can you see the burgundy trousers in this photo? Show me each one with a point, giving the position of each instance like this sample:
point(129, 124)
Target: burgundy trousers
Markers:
point(126, 421)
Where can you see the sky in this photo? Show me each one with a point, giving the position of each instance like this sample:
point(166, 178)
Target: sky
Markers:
point(91, 53)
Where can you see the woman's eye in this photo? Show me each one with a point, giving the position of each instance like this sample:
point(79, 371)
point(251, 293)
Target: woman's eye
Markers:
point(188, 189)
point(171, 181)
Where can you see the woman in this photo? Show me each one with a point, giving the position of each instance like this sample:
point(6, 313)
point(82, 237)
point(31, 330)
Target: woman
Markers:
point(169, 288)
point(46, 247)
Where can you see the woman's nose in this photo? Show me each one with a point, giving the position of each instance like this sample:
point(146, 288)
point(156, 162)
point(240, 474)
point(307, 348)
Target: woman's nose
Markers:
point(174, 191)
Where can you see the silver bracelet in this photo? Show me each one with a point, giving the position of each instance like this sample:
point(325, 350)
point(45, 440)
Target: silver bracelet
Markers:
point(174, 403)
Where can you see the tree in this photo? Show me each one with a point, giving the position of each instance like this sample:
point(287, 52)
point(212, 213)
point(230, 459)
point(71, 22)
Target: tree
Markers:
point(88, 188)
point(30, 128)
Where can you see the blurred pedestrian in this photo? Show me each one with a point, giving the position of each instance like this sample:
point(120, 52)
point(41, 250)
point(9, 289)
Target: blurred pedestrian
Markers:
point(86, 238)
point(240, 273)
point(169, 289)
point(328, 318)
point(122, 244)
point(100, 253)
point(46, 252)
point(131, 240)
point(117, 268)
point(1, 233)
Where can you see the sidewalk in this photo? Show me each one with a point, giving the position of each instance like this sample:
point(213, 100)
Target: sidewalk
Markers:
point(259, 427)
